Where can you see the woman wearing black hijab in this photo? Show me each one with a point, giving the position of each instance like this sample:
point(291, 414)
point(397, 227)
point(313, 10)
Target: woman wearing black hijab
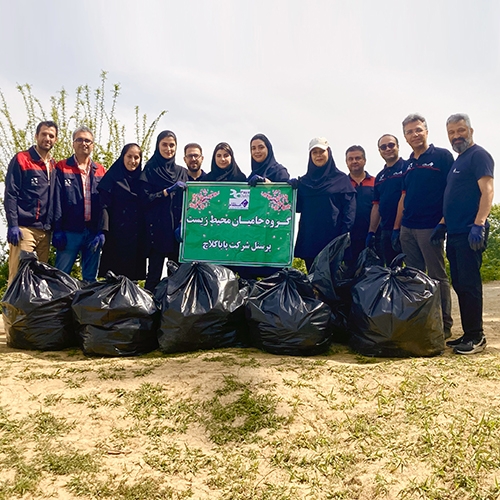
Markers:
point(123, 223)
point(264, 165)
point(224, 166)
point(326, 201)
point(162, 183)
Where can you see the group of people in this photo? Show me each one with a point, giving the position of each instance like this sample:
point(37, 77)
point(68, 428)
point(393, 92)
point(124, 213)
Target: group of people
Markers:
point(117, 219)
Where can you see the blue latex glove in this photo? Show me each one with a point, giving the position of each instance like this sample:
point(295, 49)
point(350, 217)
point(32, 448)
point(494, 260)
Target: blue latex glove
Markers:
point(97, 242)
point(178, 186)
point(177, 234)
point(437, 236)
point(370, 240)
point(476, 237)
point(255, 179)
point(395, 239)
point(59, 240)
point(293, 182)
point(14, 235)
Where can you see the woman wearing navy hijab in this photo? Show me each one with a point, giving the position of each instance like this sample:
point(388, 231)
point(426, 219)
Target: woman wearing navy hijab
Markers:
point(224, 167)
point(123, 222)
point(163, 182)
point(326, 201)
point(265, 168)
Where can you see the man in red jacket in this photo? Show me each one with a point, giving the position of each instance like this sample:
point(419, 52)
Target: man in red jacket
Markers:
point(77, 208)
point(27, 199)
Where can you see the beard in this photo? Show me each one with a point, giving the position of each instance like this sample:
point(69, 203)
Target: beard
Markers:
point(460, 145)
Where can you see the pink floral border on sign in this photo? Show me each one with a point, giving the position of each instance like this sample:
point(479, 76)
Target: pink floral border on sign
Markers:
point(277, 200)
point(201, 200)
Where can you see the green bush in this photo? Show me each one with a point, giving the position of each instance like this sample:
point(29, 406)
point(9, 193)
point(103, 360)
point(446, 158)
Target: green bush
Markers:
point(490, 270)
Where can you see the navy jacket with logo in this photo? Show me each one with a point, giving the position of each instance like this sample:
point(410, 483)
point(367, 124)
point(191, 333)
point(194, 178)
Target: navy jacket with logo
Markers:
point(28, 191)
point(68, 197)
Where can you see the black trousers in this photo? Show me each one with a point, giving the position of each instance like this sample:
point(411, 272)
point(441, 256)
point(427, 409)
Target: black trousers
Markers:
point(155, 267)
point(465, 265)
point(387, 253)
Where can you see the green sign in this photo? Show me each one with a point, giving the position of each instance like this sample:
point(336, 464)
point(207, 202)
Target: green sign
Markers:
point(233, 223)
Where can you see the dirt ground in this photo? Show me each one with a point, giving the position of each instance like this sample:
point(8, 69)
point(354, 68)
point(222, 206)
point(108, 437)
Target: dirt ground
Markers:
point(96, 405)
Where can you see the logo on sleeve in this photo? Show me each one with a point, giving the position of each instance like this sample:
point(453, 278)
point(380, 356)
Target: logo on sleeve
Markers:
point(34, 181)
point(67, 182)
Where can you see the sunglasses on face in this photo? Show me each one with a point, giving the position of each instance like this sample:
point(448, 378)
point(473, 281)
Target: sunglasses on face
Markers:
point(193, 157)
point(389, 145)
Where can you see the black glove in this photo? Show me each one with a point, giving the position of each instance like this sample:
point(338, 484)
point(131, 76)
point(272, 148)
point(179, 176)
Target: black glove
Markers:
point(293, 182)
point(255, 179)
point(178, 186)
point(437, 236)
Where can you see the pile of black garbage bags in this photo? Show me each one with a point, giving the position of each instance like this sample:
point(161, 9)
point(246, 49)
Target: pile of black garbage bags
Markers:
point(393, 311)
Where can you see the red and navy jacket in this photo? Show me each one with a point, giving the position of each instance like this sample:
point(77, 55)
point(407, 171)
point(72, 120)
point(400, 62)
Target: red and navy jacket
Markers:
point(68, 197)
point(364, 201)
point(28, 191)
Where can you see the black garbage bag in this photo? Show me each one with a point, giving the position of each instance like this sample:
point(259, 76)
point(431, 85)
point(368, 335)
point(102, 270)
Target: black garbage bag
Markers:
point(115, 318)
point(396, 312)
point(345, 278)
point(201, 308)
point(325, 268)
point(161, 287)
point(37, 307)
point(286, 318)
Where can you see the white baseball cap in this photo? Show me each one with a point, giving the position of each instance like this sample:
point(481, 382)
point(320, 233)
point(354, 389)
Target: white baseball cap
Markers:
point(318, 142)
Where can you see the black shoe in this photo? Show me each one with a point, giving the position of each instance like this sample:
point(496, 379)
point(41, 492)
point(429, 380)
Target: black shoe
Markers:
point(455, 342)
point(471, 346)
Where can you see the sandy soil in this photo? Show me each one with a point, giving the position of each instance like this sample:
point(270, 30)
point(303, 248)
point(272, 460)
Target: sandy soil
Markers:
point(60, 382)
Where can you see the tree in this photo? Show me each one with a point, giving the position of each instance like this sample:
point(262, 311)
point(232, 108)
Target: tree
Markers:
point(90, 109)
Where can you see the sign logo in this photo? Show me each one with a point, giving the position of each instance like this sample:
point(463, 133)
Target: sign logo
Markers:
point(239, 199)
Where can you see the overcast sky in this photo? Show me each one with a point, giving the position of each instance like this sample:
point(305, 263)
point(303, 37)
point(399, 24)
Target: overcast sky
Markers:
point(225, 70)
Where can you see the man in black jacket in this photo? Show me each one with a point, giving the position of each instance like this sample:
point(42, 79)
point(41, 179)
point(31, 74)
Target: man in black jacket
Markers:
point(27, 200)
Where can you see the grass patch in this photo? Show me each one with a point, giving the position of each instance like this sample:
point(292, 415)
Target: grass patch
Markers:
point(237, 412)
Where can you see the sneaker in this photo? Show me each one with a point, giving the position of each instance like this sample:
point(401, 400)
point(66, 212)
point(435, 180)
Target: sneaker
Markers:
point(455, 342)
point(471, 346)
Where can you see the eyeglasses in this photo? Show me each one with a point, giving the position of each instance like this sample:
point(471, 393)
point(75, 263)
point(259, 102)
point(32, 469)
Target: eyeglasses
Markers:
point(81, 140)
point(413, 131)
point(389, 145)
point(194, 157)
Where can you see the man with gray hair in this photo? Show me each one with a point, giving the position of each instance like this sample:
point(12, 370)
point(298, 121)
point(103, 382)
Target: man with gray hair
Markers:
point(421, 208)
point(467, 202)
point(77, 208)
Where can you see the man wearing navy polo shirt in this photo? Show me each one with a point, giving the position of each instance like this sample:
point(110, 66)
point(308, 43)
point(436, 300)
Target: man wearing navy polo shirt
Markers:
point(421, 208)
point(467, 202)
point(386, 195)
point(363, 183)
